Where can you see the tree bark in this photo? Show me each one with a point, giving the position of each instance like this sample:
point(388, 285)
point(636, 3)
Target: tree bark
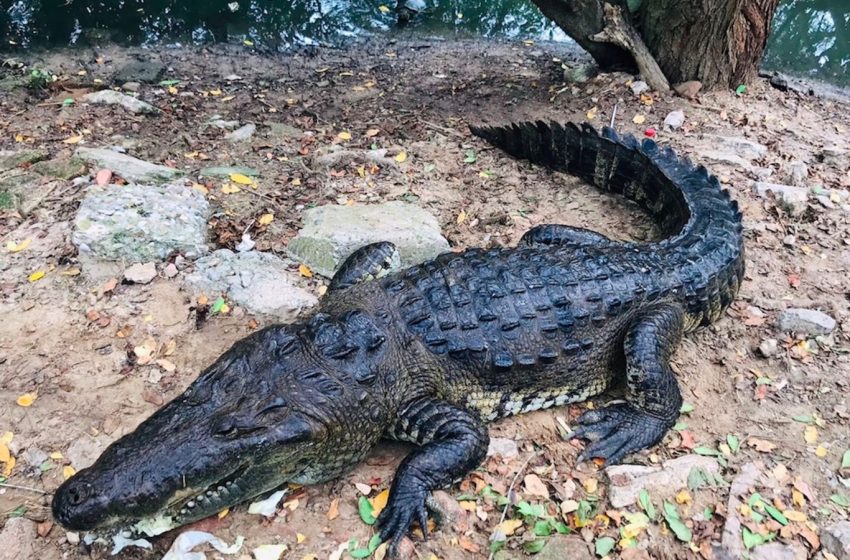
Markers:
point(717, 42)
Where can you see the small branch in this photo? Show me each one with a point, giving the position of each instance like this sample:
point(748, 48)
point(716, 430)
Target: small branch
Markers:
point(27, 488)
point(620, 32)
point(508, 494)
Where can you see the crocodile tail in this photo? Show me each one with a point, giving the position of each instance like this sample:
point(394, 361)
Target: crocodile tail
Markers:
point(685, 200)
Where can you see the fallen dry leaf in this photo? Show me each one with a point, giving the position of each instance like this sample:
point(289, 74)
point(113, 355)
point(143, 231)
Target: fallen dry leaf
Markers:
point(333, 510)
point(535, 487)
point(27, 399)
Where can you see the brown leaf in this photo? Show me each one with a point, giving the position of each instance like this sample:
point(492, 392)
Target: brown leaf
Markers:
point(468, 545)
point(761, 445)
point(44, 528)
point(333, 510)
point(535, 487)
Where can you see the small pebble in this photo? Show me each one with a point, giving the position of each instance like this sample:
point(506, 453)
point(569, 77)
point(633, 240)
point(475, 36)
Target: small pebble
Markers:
point(769, 347)
point(72, 538)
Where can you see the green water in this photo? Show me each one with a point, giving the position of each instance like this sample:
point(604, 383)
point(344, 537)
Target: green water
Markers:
point(810, 37)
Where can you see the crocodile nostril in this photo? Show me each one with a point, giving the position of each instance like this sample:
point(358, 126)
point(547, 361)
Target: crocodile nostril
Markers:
point(78, 494)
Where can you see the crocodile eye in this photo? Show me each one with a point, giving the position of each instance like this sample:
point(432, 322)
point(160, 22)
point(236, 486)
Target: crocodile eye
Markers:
point(224, 427)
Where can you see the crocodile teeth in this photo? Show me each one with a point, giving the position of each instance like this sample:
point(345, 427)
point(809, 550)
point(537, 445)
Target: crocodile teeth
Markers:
point(190, 504)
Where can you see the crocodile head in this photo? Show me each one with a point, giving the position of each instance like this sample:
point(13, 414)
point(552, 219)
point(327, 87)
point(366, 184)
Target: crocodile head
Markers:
point(273, 409)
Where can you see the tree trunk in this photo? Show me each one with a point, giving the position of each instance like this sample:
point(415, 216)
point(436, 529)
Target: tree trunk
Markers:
point(718, 42)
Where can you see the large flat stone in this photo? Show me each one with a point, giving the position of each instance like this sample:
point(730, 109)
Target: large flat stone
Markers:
point(331, 233)
point(13, 158)
point(141, 223)
point(836, 540)
point(792, 198)
point(18, 539)
point(746, 149)
point(110, 97)
point(259, 282)
point(132, 169)
point(628, 480)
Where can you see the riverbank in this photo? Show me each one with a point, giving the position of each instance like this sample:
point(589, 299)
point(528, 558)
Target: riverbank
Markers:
point(94, 348)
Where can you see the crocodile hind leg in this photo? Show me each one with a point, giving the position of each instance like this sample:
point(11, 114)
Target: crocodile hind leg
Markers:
point(452, 441)
point(559, 234)
point(366, 263)
point(653, 399)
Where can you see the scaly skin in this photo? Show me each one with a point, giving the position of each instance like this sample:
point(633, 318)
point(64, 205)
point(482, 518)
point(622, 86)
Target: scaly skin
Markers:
point(430, 354)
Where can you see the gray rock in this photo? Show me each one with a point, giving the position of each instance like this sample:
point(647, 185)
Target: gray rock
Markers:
point(132, 169)
point(18, 539)
point(580, 74)
point(806, 321)
point(798, 173)
point(675, 120)
point(628, 480)
point(65, 169)
point(225, 172)
point(34, 457)
point(836, 156)
point(259, 282)
point(836, 540)
point(565, 547)
point(217, 122)
point(242, 134)
point(769, 347)
point(282, 131)
point(746, 149)
point(140, 273)
point(824, 201)
point(146, 72)
point(779, 551)
point(725, 158)
point(139, 223)
point(503, 447)
point(639, 87)
point(111, 97)
point(792, 198)
point(731, 543)
point(133, 87)
point(10, 159)
point(171, 270)
point(331, 233)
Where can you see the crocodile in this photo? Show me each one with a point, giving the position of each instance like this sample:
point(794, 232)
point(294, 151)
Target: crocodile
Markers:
point(430, 354)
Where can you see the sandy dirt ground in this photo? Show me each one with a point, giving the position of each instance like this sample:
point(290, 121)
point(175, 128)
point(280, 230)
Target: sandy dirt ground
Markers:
point(69, 336)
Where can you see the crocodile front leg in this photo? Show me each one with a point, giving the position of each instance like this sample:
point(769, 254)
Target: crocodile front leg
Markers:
point(452, 441)
point(375, 260)
point(653, 399)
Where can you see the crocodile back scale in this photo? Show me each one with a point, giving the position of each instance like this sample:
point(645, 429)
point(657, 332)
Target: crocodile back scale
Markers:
point(430, 354)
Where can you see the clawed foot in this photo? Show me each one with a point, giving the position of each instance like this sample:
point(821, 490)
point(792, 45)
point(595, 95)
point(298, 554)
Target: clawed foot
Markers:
point(617, 430)
point(403, 509)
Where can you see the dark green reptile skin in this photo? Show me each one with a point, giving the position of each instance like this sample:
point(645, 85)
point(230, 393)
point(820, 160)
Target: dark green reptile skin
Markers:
point(429, 354)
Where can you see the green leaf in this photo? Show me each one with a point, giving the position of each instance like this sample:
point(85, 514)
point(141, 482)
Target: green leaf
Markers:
point(741, 90)
point(528, 510)
point(45, 466)
point(359, 553)
point(542, 529)
point(671, 515)
point(470, 156)
point(845, 460)
point(19, 511)
point(430, 167)
point(374, 543)
point(604, 545)
point(776, 514)
point(706, 451)
point(584, 511)
point(67, 102)
point(218, 305)
point(535, 546)
point(840, 500)
point(804, 419)
point(561, 527)
point(680, 426)
point(169, 83)
point(687, 408)
point(697, 478)
point(733, 442)
point(646, 503)
point(366, 511)
point(764, 381)
point(755, 539)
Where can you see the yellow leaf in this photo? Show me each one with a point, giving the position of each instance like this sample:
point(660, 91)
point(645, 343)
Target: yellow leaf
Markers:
point(372, 132)
point(5, 454)
point(639, 119)
point(361, 171)
point(27, 399)
point(73, 140)
point(323, 290)
point(467, 505)
point(792, 515)
point(200, 188)
point(248, 43)
point(384, 9)
point(344, 136)
point(225, 309)
point(68, 471)
point(228, 98)
point(71, 272)
point(592, 113)
point(821, 451)
point(461, 217)
point(591, 485)
point(10, 464)
point(810, 434)
point(509, 526)
point(305, 271)
point(57, 456)
point(36, 276)
point(172, 90)
point(300, 537)
point(379, 502)
point(7, 438)
point(266, 219)
point(241, 179)
point(215, 92)
point(230, 189)
point(683, 497)
point(797, 498)
point(401, 157)
point(13, 247)
point(223, 513)
point(296, 182)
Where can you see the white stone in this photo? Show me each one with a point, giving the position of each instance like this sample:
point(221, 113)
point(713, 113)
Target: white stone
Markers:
point(504, 447)
point(242, 134)
point(140, 273)
point(792, 198)
point(132, 169)
point(675, 120)
point(639, 87)
point(628, 480)
point(111, 97)
point(806, 321)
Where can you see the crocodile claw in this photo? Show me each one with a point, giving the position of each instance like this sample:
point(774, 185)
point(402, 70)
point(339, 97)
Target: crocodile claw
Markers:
point(617, 430)
point(403, 509)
